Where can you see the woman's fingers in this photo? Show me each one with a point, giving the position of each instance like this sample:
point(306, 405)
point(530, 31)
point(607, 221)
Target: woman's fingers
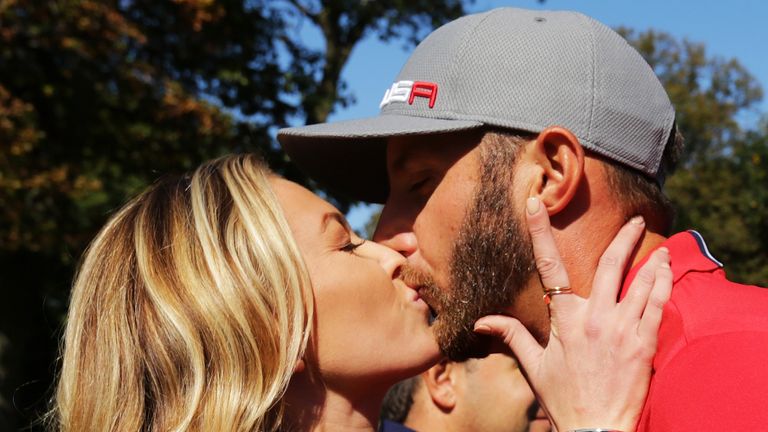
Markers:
point(610, 269)
point(633, 304)
point(548, 262)
point(662, 290)
point(515, 335)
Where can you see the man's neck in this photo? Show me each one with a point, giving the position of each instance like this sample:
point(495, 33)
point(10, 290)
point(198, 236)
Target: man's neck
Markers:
point(650, 242)
point(582, 256)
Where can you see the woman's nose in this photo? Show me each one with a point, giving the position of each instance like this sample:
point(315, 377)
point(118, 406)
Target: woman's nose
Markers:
point(389, 259)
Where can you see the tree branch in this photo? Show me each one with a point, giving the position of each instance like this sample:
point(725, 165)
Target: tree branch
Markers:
point(305, 11)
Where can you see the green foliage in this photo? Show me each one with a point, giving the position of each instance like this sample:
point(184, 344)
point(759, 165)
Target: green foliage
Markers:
point(93, 107)
point(101, 105)
point(719, 188)
point(100, 97)
point(725, 198)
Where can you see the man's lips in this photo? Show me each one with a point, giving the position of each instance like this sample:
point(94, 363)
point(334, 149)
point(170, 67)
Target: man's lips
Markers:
point(424, 295)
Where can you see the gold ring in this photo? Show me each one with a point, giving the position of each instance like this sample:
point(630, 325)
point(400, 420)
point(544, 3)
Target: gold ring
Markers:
point(550, 292)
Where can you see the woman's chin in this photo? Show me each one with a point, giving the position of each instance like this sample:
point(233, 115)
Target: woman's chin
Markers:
point(419, 358)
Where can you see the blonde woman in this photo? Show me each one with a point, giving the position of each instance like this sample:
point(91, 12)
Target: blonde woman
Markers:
point(232, 300)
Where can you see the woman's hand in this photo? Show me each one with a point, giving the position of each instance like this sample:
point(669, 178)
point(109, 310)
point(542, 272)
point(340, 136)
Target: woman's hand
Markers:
point(596, 368)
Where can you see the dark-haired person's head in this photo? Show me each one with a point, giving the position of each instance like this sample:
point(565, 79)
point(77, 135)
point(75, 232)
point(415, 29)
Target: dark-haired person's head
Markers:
point(484, 395)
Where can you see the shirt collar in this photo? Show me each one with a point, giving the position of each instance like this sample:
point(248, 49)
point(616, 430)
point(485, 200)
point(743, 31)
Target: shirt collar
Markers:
point(688, 252)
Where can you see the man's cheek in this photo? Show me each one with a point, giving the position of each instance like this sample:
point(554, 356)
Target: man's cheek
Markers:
point(436, 250)
point(440, 222)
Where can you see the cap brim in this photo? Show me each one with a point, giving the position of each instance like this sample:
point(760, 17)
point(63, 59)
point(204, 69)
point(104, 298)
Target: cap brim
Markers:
point(349, 157)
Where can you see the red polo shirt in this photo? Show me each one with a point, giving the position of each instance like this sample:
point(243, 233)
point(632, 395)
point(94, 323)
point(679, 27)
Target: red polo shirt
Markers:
point(711, 368)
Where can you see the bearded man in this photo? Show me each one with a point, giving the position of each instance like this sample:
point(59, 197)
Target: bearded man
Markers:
point(496, 107)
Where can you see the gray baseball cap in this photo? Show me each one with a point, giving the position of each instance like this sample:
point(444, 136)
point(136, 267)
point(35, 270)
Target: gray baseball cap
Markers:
point(509, 68)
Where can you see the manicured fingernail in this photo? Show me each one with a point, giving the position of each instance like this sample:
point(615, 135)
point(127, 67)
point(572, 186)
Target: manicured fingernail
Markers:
point(637, 220)
point(532, 204)
point(482, 329)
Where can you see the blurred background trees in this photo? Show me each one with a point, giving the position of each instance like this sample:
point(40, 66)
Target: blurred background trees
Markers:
point(99, 98)
point(721, 186)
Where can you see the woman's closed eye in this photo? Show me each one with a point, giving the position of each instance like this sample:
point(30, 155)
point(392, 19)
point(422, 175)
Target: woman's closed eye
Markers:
point(350, 247)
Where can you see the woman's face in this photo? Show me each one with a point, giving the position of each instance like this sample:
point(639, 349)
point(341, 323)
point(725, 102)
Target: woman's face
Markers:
point(368, 323)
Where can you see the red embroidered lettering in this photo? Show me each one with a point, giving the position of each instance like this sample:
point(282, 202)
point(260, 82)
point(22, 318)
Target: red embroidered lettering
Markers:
point(424, 89)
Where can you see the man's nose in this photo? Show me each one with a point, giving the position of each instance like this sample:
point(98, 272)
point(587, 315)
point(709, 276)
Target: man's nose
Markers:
point(395, 231)
point(403, 242)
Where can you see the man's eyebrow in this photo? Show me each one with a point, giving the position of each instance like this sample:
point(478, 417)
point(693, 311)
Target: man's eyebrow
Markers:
point(331, 216)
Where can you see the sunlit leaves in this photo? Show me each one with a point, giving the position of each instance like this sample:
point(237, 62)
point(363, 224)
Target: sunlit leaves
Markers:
point(721, 186)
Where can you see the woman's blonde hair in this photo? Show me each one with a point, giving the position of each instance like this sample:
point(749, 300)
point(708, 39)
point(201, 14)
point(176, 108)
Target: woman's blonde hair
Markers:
point(189, 311)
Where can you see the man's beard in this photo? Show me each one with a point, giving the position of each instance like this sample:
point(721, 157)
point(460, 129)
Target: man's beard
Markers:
point(492, 260)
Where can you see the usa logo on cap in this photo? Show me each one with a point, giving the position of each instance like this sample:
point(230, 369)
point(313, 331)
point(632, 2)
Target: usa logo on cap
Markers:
point(406, 91)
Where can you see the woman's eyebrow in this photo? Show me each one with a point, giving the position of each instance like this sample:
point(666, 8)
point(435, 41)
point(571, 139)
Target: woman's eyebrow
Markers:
point(331, 216)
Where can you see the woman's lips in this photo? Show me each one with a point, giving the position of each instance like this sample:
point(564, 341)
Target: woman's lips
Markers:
point(432, 310)
point(413, 295)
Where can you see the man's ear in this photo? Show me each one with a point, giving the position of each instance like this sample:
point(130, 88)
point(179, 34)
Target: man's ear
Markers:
point(440, 381)
point(560, 158)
